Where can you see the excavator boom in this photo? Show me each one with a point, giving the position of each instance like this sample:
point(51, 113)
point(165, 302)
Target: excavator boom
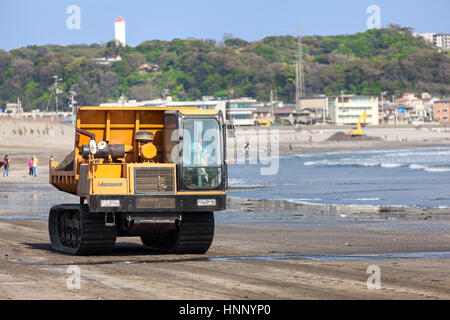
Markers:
point(358, 131)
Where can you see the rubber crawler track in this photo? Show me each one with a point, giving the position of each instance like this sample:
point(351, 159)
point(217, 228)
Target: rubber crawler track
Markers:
point(95, 237)
point(194, 234)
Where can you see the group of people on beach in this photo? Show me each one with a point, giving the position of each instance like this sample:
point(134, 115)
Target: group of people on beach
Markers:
point(33, 164)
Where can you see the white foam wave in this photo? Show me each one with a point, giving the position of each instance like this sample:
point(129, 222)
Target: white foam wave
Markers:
point(301, 155)
point(428, 169)
point(391, 165)
point(303, 201)
point(366, 164)
point(417, 154)
point(416, 166)
point(235, 181)
point(343, 163)
point(437, 169)
point(363, 199)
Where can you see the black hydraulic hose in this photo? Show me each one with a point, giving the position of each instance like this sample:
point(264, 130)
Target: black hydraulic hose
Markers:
point(86, 133)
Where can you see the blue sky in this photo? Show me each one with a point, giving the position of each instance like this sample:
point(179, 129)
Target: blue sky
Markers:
point(29, 22)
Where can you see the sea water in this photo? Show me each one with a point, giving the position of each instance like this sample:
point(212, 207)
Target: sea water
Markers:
point(416, 177)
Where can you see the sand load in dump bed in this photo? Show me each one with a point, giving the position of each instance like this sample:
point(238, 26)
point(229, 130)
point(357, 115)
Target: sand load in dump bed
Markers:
point(67, 164)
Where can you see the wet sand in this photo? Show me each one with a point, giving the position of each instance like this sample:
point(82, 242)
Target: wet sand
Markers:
point(261, 250)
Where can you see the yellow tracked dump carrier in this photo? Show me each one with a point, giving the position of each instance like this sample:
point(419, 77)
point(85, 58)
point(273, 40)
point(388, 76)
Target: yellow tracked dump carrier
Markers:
point(157, 173)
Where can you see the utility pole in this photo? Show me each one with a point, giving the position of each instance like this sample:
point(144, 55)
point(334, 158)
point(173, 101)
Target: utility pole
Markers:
point(19, 106)
point(228, 118)
point(271, 104)
point(299, 78)
point(72, 105)
point(165, 93)
point(382, 105)
point(396, 106)
point(56, 79)
point(229, 122)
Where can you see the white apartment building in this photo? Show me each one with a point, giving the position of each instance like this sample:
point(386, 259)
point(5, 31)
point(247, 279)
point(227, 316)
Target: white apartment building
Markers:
point(440, 40)
point(347, 109)
point(240, 112)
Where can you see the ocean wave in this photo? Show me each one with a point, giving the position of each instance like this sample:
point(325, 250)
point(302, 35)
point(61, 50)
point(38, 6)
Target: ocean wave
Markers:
point(302, 155)
point(437, 169)
point(380, 153)
point(323, 203)
point(391, 165)
point(353, 163)
point(416, 154)
point(362, 199)
point(303, 201)
point(235, 181)
point(417, 166)
point(428, 168)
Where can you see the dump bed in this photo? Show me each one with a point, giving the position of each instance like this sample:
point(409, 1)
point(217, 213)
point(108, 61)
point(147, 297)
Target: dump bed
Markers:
point(114, 125)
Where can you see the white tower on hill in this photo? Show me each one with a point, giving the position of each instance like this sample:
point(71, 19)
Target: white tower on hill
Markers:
point(119, 31)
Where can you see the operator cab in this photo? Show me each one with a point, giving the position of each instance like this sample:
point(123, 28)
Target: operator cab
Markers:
point(196, 144)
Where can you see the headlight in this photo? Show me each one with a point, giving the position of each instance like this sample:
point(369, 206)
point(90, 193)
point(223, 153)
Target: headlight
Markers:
point(206, 202)
point(110, 203)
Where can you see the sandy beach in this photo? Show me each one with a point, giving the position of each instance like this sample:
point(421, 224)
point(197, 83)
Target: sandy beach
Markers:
point(315, 139)
point(261, 250)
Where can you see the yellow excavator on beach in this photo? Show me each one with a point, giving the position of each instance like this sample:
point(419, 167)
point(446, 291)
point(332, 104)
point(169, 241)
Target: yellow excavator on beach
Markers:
point(358, 131)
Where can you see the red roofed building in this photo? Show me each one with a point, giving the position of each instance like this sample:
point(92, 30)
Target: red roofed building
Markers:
point(286, 115)
point(148, 67)
point(413, 106)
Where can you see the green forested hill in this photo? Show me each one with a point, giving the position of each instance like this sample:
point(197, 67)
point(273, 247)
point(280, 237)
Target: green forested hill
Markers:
point(365, 63)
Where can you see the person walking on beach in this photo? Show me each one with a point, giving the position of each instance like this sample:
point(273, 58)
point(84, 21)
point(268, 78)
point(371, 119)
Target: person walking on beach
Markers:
point(247, 152)
point(35, 166)
point(30, 167)
point(6, 166)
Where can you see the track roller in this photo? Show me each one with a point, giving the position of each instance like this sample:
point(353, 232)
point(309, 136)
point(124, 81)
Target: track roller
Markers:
point(76, 231)
point(193, 234)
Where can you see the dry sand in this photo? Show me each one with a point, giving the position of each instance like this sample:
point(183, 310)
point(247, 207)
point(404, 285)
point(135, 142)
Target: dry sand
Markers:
point(248, 231)
point(315, 139)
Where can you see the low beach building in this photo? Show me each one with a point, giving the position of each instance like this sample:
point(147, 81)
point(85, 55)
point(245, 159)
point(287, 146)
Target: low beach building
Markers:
point(14, 110)
point(286, 115)
point(347, 109)
point(441, 110)
point(265, 111)
point(313, 110)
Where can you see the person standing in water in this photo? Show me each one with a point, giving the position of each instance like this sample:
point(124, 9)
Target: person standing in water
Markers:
point(6, 166)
